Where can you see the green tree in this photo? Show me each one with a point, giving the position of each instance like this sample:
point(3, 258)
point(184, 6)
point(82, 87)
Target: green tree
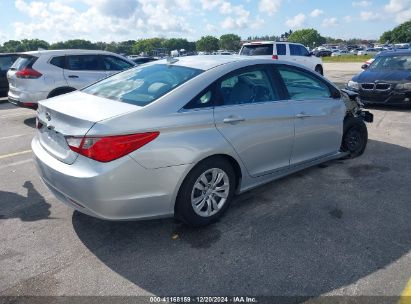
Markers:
point(74, 44)
point(191, 46)
point(147, 45)
point(230, 42)
point(207, 44)
point(307, 37)
point(399, 34)
point(386, 37)
point(124, 47)
point(110, 47)
point(176, 44)
point(13, 46)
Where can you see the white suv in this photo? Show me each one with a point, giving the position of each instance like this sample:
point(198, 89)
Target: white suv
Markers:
point(40, 75)
point(287, 51)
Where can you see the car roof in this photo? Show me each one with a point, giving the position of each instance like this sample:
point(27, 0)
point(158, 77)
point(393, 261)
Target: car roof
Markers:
point(66, 51)
point(395, 52)
point(9, 54)
point(206, 62)
point(268, 42)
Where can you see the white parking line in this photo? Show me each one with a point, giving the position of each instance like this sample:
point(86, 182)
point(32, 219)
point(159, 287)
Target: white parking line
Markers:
point(16, 163)
point(16, 115)
point(14, 154)
point(14, 136)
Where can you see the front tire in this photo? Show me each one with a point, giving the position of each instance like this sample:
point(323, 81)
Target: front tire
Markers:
point(206, 192)
point(355, 136)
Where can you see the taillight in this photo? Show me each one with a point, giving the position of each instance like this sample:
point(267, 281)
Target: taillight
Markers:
point(109, 148)
point(28, 73)
point(39, 124)
point(275, 57)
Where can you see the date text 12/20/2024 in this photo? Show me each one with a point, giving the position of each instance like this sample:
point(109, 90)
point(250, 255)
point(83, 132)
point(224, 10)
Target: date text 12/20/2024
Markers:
point(203, 300)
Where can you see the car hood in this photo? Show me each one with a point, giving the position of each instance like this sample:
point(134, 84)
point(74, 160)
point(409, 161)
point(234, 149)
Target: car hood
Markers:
point(389, 76)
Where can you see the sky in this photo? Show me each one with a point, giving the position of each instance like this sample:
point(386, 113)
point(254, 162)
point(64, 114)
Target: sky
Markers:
point(118, 20)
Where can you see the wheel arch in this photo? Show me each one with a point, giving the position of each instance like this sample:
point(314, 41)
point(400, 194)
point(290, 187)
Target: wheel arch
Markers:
point(230, 159)
point(65, 89)
point(321, 68)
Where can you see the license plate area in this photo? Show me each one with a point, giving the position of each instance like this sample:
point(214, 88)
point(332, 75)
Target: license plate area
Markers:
point(55, 143)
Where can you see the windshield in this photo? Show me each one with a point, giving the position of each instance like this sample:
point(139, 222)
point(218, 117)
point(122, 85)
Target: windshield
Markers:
point(257, 49)
point(142, 85)
point(402, 62)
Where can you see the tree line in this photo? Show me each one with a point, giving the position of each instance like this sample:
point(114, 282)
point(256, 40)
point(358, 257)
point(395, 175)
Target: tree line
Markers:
point(399, 34)
point(232, 42)
point(206, 43)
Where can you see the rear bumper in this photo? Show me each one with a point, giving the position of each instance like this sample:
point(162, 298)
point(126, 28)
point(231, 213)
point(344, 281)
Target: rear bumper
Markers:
point(118, 190)
point(23, 105)
point(25, 97)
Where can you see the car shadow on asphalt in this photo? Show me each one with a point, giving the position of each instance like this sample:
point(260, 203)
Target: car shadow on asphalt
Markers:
point(30, 122)
point(304, 235)
point(31, 208)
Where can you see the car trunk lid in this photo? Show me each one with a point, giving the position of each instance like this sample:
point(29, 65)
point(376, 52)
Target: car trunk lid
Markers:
point(73, 114)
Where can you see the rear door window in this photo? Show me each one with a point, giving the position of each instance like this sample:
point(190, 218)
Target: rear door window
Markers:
point(257, 49)
point(112, 63)
point(202, 100)
point(281, 49)
point(83, 63)
point(58, 61)
point(247, 86)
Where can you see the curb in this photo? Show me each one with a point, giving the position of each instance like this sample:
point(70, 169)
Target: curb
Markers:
point(3, 100)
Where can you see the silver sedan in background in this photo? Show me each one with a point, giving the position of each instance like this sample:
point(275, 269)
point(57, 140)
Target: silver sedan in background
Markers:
point(180, 137)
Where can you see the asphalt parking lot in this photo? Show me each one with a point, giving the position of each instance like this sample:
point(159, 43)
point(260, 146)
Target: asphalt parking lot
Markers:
point(341, 228)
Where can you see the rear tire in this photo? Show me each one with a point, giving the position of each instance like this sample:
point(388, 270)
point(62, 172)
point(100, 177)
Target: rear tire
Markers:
point(319, 69)
point(355, 137)
point(206, 192)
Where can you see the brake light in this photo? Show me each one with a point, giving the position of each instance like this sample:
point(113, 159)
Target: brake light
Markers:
point(39, 124)
point(28, 73)
point(109, 148)
point(275, 57)
point(31, 105)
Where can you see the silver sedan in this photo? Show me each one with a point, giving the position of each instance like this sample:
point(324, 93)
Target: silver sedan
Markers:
point(180, 137)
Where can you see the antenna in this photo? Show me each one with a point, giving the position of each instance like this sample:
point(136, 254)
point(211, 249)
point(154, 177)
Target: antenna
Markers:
point(171, 60)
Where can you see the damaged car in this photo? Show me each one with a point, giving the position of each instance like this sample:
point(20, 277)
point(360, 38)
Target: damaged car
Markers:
point(387, 80)
point(181, 137)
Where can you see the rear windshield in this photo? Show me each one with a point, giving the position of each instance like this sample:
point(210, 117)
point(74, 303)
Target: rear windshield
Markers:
point(257, 49)
point(142, 85)
point(23, 62)
point(391, 63)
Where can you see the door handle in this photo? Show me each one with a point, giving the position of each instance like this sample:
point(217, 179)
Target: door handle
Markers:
point(73, 76)
point(232, 119)
point(302, 115)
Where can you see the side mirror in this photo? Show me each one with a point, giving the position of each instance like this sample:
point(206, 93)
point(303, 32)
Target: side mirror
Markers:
point(365, 66)
point(335, 94)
